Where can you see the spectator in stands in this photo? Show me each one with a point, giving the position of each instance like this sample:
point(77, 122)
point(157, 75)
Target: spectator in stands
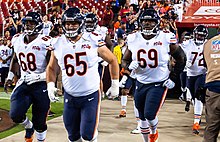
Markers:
point(15, 13)
point(108, 17)
point(149, 5)
point(123, 13)
point(47, 26)
point(54, 17)
point(19, 22)
point(84, 10)
point(11, 27)
point(7, 34)
point(121, 32)
point(117, 23)
point(5, 58)
point(114, 6)
point(56, 5)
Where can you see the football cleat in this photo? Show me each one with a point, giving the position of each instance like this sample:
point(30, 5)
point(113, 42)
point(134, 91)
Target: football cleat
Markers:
point(187, 107)
point(196, 128)
point(29, 135)
point(136, 131)
point(122, 113)
point(153, 137)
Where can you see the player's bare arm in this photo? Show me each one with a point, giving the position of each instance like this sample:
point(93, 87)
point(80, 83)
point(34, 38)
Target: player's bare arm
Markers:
point(13, 70)
point(109, 43)
point(126, 60)
point(109, 57)
point(53, 69)
point(52, 72)
point(178, 54)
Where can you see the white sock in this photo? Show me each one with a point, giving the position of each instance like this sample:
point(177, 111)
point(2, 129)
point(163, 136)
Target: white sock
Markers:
point(136, 112)
point(79, 140)
point(124, 101)
point(197, 110)
point(144, 130)
point(27, 123)
point(183, 89)
point(188, 95)
point(41, 136)
point(153, 125)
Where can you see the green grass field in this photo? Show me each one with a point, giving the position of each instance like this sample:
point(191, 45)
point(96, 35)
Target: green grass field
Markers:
point(57, 108)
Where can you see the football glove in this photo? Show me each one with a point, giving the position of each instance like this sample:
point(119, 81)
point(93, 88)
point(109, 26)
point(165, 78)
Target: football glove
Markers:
point(52, 90)
point(169, 84)
point(133, 65)
point(8, 81)
point(33, 77)
point(123, 81)
point(113, 91)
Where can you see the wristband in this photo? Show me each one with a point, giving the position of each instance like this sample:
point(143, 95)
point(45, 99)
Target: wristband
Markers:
point(10, 75)
point(50, 84)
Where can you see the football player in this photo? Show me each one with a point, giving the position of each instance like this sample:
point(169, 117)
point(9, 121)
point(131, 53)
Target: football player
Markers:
point(148, 54)
point(30, 52)
point(196, 72)
point(186, 96)
point(78, 61)
point(92, 27)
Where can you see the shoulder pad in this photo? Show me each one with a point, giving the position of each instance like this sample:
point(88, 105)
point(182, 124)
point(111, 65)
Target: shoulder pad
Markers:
point(104, 29)
point(14, 38)
point(46, 40)
point(95, 34)
point(165, 31)
point(131, 37)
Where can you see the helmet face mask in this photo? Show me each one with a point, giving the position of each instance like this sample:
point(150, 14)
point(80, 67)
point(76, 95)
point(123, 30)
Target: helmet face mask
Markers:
point(32, 24)
point(200, 34)
point(148, 26)
point(149, 22)
point(91, 22)
point(72, 22)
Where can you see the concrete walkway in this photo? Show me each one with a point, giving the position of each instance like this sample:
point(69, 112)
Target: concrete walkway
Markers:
point(174, 125)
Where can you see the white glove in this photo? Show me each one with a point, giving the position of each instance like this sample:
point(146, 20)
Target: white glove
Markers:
point(52, 90)
point(33, 77)
point(188, 64)
point(104, 63)
point(113, 91)
point(169, 84)
point(123, 81)
point(133, 65)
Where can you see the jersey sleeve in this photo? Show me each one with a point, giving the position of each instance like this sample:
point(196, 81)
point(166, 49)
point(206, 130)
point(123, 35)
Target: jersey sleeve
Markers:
point(14, 41)
point(130, 39)
point(171, 38)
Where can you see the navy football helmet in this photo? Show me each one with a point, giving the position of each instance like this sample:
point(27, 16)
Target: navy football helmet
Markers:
point(200, 33)
point(91, 22)
point(72, 15)
point(32, 23)
point(149, 21)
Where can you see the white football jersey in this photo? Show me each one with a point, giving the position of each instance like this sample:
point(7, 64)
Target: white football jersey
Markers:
point(102, 31)
point(153, 56)
point(32, 56)
point(5, 52)
point(186, 49)
point(79, 64)
point(195, 56)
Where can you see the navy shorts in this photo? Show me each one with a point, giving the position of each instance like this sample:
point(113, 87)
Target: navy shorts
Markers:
point(194, 83)
point(26, 95)
point(81, 115)
point(149, 98)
